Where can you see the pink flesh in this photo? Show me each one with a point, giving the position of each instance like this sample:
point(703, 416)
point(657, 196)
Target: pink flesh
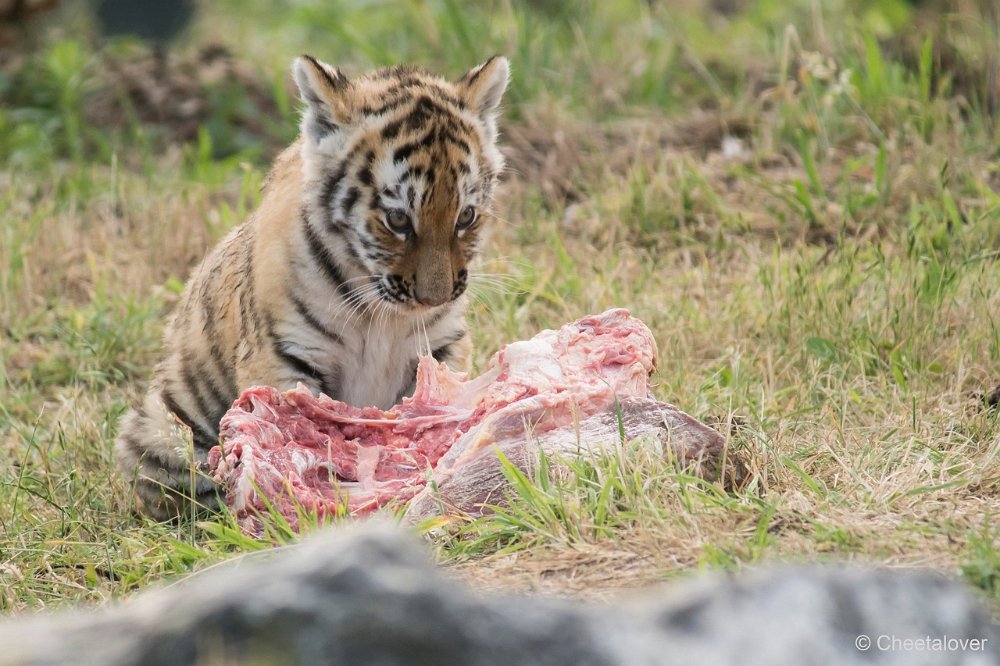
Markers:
point(324, 455)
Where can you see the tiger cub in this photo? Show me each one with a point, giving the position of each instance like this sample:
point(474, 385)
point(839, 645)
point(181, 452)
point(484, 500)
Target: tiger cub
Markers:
point(355, 262)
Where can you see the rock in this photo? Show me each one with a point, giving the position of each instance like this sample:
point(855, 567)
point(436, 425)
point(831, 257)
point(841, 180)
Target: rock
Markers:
point(369, 595)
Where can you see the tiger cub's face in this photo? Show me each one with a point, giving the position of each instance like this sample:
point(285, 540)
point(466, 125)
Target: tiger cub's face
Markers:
point(400, 168)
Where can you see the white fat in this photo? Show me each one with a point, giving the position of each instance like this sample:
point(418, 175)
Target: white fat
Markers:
point(472, 391)
point(243, 490)
point(535, 358)
point(303, 460)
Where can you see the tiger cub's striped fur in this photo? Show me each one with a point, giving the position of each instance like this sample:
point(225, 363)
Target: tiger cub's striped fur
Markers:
point(356, 261)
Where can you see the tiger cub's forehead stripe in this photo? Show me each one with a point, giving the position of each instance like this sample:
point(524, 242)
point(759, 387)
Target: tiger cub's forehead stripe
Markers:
point(399, 92)
point(403, 151)
point(406, 90)
point(422, 111)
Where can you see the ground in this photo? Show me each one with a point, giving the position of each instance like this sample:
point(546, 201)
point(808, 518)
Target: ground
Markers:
point(799, 198)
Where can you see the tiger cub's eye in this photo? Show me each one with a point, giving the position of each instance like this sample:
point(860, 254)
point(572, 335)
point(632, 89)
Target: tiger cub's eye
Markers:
point(466, 218)
point(397, 221)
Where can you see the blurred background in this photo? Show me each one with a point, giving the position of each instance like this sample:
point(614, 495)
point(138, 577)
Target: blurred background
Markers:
point(82, 78)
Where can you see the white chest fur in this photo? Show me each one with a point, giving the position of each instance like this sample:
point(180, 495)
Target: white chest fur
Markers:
point(372, 362)
point(378, 366)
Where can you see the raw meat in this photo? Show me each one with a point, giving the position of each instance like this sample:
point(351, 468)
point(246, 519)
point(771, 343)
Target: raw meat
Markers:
point(565, 392)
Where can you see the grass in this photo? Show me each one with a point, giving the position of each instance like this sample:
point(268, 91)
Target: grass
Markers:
point(799, 198)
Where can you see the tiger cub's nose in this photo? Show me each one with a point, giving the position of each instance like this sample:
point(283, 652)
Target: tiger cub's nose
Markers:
point(439, 295)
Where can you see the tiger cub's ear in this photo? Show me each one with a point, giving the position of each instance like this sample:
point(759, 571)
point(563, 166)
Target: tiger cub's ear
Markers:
point(325, 91)
point(484, 85)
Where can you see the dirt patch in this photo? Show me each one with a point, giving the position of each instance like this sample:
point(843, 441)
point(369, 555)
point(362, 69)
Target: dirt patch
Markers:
point(180, 94)
point(167, 97)
point(559, 154)
point(15, 13)
point(584, 571)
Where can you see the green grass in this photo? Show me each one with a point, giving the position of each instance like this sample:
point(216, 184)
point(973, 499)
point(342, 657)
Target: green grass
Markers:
point(828, 290)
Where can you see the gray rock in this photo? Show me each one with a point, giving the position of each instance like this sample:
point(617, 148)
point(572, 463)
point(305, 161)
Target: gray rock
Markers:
point(369, 595)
